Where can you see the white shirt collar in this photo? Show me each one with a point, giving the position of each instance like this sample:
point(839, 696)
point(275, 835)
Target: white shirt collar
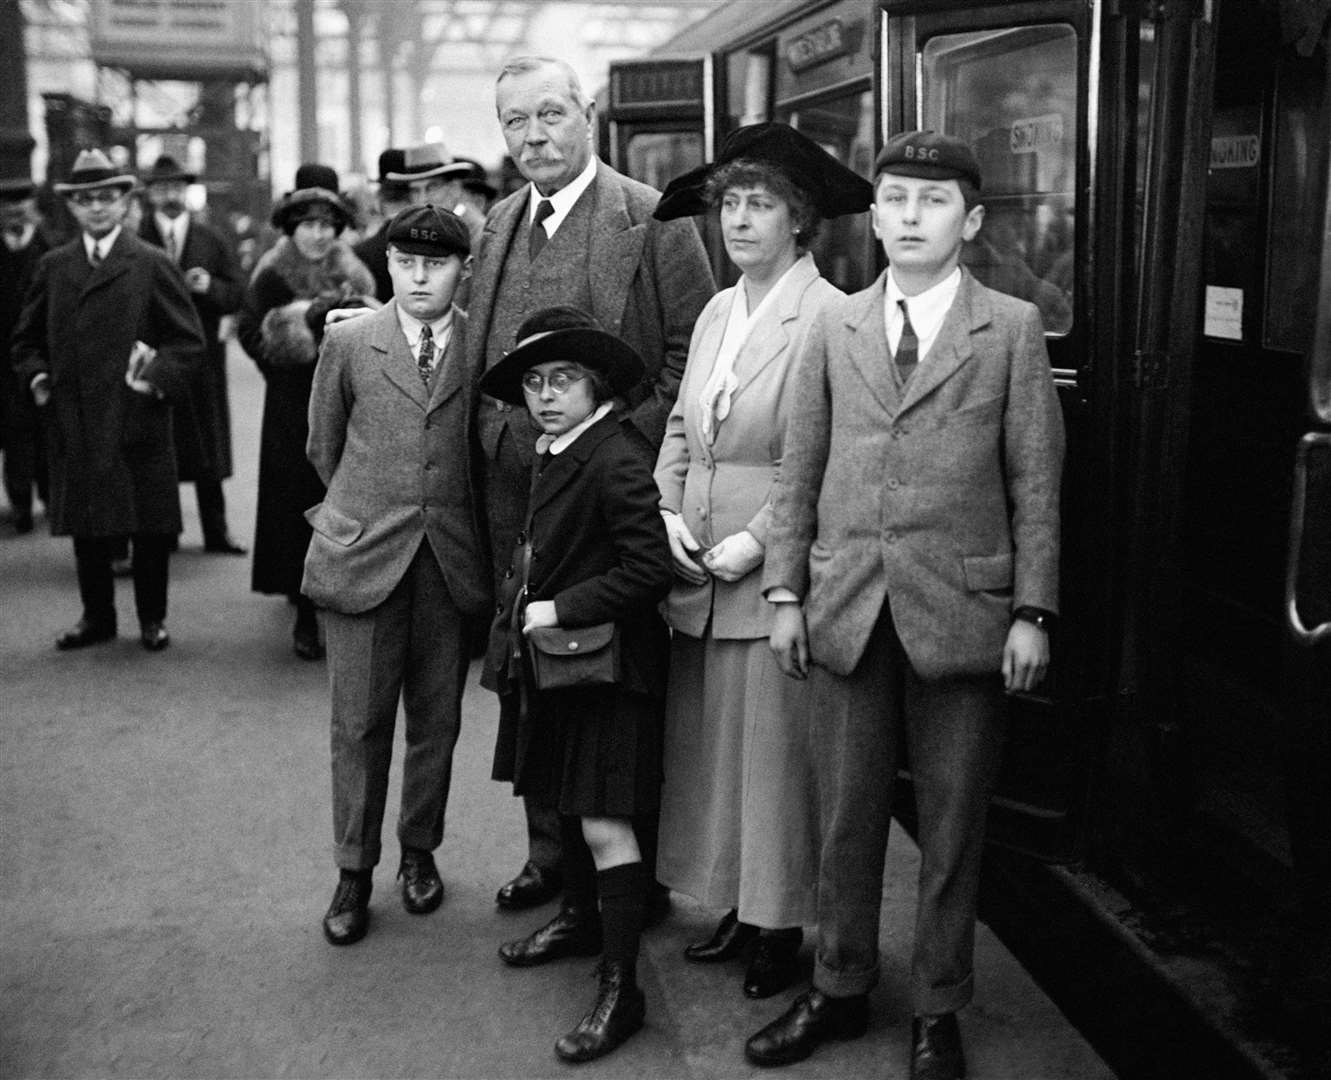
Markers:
point(927, 310)
point(102, 246)
point(441, 328)
point(173, 226)
point(562, 200)
point(560, 443)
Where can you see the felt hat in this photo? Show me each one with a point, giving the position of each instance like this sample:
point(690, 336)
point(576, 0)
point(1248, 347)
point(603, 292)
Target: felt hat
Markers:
point(314, 175)
point(428, 230)
point(425, 162)
point(166, 169)
point(833, 189)
point(295, 206)
point(563, 333)
point(928, 155)
point(93, 169)
point(392, 160)
point(16, 189)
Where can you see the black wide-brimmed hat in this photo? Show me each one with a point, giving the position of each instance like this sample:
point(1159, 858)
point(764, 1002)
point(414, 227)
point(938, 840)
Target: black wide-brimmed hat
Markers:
point(569, 334)
point(16, 189)
point(166, 169)
point(833, 189)
point(93, 169)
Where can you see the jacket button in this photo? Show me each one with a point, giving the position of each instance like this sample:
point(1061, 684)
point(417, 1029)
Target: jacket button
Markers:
point(894, 483)
point(890, 536)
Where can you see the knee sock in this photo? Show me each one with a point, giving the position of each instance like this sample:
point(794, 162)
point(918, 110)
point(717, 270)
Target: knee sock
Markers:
point(576, 862)
point(623, 893)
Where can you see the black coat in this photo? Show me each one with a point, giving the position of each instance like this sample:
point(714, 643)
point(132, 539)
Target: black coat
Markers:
point(112, 460)
point(18, 417)
point(203, 424)
point(373, 252)
point(599, 551)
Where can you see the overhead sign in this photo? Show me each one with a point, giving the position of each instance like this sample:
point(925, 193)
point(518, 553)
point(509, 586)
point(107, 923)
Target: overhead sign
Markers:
point(179, 39)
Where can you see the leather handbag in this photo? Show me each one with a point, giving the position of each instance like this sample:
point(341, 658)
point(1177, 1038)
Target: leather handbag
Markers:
point(563, 657)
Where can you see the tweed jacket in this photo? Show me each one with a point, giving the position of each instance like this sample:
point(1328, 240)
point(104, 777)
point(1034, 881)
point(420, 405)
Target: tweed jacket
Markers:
point(649, 280)
point(944, 503)
point(726, 487)
point(113, 467)
point(397, 461)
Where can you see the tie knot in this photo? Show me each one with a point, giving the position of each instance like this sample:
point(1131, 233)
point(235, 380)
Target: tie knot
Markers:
point(544, 209)
point(426, 334)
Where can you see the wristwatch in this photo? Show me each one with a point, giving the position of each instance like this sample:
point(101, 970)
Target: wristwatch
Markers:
point(1037, 617)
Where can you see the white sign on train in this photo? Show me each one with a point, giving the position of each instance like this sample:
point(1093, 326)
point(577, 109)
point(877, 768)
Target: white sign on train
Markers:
point(1036, 133)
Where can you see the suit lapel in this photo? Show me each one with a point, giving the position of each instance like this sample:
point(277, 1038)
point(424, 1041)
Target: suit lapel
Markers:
point(952, 347)
point(867, 344)
point(565, 466)
point(615, 250)
point(448, 375)
point(395, 358)
point(771, 337)
point(495, 240)
point(118, 260)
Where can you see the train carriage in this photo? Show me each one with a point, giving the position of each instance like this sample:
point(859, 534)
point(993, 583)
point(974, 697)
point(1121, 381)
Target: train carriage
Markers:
point(1157, 184)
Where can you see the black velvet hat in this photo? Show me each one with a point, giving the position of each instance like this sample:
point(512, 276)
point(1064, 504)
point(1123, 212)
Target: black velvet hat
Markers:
point(833, 189)
point(563, 333)
point(316, 185)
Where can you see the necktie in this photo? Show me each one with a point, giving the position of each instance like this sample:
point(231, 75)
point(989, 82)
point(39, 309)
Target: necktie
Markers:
point(171, 251)
point(538, 237)
point(908, 348)
point(425, 357)
point(96, 257)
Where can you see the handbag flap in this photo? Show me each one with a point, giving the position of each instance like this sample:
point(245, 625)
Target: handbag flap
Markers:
point(571, 641)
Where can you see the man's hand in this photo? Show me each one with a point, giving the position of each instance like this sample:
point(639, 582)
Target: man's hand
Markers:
point(341, 314)
point(539, 613)
point(197, 279)
point(734, 556)
point(40, 388)
point(683, 548)
point(1025, 657)
point(790, 640)
point(140, 356)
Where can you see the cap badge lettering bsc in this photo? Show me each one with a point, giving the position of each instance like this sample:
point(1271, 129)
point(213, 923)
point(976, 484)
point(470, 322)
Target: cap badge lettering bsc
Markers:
point(921, 153)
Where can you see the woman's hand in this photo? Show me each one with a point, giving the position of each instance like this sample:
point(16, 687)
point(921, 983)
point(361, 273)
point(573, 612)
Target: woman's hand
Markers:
point(789, 640)
point(539, 613)
point(683, 548)
point(734, 556)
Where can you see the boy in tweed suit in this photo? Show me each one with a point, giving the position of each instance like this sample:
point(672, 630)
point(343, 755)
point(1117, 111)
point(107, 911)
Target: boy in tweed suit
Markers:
point(913, 557)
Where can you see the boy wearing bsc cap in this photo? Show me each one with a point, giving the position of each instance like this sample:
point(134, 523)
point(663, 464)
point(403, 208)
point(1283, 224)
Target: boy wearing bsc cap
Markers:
point(396, 558)
point(913, 556)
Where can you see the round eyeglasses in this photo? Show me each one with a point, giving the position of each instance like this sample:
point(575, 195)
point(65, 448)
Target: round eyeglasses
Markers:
point(534, 382)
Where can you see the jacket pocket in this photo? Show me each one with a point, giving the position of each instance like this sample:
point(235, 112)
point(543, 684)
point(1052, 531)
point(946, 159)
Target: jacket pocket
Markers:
point(988, 573)
point(330, 522)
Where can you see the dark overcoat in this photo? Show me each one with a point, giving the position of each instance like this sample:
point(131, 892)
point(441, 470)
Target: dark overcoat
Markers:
point(599, 551)
point(112, 460)
point(203, 424)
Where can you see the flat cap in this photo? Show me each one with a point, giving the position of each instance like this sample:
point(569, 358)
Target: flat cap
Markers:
point(429, 230)
point(928, 155)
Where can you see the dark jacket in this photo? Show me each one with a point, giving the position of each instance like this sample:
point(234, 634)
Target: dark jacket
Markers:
point(113, 468)
point(203, 425)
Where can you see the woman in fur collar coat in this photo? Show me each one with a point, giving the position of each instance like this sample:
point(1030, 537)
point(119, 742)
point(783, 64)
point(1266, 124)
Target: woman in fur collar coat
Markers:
point(309, 271)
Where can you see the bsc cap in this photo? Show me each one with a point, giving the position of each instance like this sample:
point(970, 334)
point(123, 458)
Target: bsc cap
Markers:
point(929, 155)
point(429, 230)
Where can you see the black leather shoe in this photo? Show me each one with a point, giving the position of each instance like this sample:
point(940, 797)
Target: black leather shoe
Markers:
point(812, 1019)
point(153, 636)
point(222, 545)
point(619, 1011)
point(533, 886)
point(23, 523)
point(348, 916)
point(774, 964)
point(936, 1048)
point(83, 634)
point(730, 938)
point(422, 891)
point(573, 932)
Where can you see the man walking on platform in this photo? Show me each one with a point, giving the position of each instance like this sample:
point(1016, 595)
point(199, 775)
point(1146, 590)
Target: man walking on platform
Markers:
point(202, 425)
point(108, 338)
point(578, 234)
point(396, 558)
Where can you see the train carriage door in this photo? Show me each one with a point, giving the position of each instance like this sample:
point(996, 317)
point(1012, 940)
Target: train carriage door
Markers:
point(1014, 80)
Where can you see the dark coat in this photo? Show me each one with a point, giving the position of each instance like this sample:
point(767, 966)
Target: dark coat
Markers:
point(599, 551)
point(112, 462)
point(373, 252)
point(280, 327)
point(203, 425)
point(18, 415)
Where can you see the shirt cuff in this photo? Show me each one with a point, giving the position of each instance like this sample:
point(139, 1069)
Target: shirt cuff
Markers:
point(781, 595)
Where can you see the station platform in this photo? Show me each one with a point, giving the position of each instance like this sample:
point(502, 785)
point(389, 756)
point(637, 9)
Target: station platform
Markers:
point(165, 838)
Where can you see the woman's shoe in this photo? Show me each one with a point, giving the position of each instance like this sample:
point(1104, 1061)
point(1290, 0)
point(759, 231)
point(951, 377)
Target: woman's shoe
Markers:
point(619, 1011)
point(774, 964)
point(730, 938)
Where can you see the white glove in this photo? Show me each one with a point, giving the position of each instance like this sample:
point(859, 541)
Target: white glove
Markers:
point(734, 556)
point(684, 549)
point(140, 356)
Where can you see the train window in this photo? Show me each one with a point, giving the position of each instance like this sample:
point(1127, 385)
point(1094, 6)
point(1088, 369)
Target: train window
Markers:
point(749, 95)
point(1012, 94)
point(844, 127)
point(657, 157)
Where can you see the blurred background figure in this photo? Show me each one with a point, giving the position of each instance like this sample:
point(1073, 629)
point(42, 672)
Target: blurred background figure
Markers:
point(309, 271)
point(203, 422)
point(21, 442)
point(471, 195)
point(392, 197)
point(428, 172)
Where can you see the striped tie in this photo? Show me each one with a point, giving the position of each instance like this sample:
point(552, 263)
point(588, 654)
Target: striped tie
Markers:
point(425, 358)
point(908, 348)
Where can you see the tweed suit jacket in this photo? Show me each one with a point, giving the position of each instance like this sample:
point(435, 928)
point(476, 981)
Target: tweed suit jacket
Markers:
point(397, 461)
point(726, 487)
point(944, 503)
point(649, 280)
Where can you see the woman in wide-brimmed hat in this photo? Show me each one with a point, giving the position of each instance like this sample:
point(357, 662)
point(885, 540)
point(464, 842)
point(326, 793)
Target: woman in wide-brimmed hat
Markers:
point(737, 826)
point(593, 552)
point(309, 271)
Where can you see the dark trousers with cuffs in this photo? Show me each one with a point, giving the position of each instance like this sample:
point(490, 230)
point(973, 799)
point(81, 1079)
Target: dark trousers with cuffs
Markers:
point(953, 733)
point(93, 557)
